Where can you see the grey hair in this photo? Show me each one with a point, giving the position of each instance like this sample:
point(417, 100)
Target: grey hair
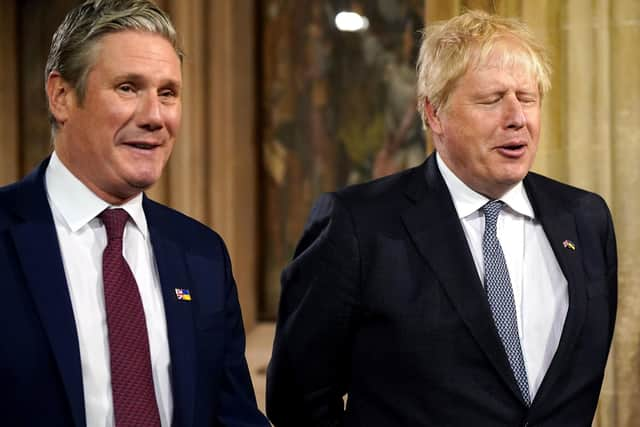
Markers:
point(73, 43)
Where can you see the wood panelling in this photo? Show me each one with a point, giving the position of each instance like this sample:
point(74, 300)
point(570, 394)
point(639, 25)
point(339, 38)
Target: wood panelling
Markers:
point(9, 159)
point(232, 155)
point(37, 21)
point(187, 171)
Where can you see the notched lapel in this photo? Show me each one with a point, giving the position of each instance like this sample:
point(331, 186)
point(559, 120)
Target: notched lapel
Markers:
point(38, 250)
point(434, 227)
point(559, 225)
point(170, 260)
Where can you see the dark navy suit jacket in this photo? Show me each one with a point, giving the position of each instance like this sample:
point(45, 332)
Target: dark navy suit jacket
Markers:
point(383, 302)
point(40, 373)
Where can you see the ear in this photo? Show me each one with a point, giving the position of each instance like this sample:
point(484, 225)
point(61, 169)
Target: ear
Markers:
point(60, 96)
point(432, 117)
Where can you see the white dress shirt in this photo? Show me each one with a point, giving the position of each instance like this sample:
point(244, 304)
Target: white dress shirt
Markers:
point(539, 287)
point(82, 239)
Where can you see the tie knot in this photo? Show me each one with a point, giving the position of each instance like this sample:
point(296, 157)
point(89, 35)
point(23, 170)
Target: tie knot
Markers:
point(114, 221)
point(491, 212)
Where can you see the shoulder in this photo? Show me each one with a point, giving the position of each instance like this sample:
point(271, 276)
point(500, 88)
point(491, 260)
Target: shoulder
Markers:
point(378, 190)
point(368, 204)
point(11, 197)
point(182, 230)
point(25, 199)
point(573, 198)
point(8, 196)
point(378, 197)
point(589, 209)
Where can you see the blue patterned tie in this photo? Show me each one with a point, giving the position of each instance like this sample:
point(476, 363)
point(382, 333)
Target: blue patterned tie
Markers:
point(500, 296)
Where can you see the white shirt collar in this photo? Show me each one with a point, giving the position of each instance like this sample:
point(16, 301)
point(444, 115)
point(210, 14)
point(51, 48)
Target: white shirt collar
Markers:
point(468, 201)
point(78, 205)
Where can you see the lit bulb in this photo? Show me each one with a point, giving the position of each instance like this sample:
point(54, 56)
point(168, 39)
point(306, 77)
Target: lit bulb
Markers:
point(351, 21)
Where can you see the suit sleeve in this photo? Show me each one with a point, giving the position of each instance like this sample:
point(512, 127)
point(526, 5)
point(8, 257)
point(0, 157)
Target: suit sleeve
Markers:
point(238, 406)
point(597, 227)
point(611, 257)
point(309, 371)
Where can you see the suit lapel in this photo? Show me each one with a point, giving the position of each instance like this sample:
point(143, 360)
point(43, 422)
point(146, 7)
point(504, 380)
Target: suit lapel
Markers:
point(171, 263)
point(434, 227)
point(559, 225)
point(36, 243)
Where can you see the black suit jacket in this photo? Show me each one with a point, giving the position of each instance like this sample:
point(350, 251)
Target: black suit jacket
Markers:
point(40, 372)
point(382, 302)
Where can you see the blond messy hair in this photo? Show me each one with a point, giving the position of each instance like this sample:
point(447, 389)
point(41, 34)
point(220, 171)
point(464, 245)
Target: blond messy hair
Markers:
point(450, 48)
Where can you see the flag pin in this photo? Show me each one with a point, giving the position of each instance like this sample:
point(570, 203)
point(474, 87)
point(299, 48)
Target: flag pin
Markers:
point(568, 244)
point(183, 294)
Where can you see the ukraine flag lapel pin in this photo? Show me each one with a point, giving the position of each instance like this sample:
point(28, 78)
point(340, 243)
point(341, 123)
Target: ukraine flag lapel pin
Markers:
point(183, 294)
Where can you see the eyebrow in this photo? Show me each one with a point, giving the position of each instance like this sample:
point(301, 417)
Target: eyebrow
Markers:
point(139, 78)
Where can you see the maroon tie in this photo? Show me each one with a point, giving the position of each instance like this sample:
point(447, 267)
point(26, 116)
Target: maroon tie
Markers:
point(134, 400)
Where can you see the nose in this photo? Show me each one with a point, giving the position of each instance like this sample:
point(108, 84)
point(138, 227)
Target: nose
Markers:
point(149, 114)
point(514, 114)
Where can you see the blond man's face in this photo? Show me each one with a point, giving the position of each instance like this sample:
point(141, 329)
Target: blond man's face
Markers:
point(488, 132)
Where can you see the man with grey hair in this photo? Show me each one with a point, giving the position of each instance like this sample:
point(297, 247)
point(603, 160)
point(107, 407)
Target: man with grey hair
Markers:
point(465, 292)
point(119, 311)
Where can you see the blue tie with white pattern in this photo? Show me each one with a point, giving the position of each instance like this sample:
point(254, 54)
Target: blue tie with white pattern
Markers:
point(500, 296)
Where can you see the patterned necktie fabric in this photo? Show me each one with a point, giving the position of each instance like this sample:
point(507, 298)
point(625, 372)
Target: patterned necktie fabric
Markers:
point(134, 400)
point(500, 296)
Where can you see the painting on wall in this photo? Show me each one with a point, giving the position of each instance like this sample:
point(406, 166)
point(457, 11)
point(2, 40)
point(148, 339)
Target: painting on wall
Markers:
point(338, 107)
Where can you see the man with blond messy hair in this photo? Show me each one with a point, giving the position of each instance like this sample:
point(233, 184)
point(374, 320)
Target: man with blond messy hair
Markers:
point(119, 312)
point(467, 291)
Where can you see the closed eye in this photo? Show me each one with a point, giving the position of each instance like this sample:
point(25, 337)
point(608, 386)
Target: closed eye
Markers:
point(529, 100)
point(491, 101)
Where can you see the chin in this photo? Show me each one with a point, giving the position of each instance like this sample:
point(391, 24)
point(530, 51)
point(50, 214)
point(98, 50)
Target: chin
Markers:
point(514, 175)
point(143, 182)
